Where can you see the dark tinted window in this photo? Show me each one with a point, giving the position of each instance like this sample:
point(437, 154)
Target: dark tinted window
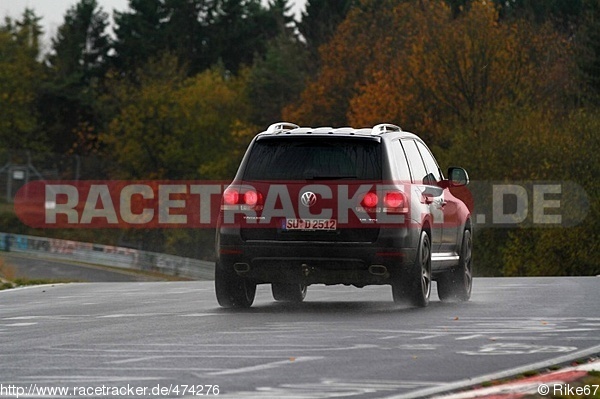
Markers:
point(314, 158)
point(401, 163)
point(417, 167)
point(431, 165)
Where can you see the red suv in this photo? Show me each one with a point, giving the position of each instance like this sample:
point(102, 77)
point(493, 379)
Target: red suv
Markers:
point(343, 206)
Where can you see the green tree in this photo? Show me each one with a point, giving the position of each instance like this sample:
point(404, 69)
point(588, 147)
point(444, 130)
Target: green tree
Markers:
point(76, 65)
point(560, 11)
point(588, 55)
point(139, 33)
point(277, 79)
point(319, 22)
point(143, 114)
point(82, 44)
point(241, 29)
point(167, 126)
point(185, 33)
point(20, 78)
point(199, 32)
point(215, 118)
point(571, 250)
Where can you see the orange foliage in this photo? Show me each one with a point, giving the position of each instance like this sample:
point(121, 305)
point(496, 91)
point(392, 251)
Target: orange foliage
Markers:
point(455, 68)
point(361, 42)
point(415, 64)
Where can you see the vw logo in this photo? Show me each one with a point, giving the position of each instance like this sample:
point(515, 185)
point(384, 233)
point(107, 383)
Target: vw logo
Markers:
point(308, 199)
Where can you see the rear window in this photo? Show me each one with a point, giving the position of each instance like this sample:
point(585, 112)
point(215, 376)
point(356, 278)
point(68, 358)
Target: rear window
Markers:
point(314, 159)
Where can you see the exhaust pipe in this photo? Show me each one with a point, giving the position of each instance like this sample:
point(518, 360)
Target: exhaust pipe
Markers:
point(378, 270)
point(241, 268)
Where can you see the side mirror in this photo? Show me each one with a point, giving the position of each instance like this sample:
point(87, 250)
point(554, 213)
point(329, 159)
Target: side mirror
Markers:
point(458, 177)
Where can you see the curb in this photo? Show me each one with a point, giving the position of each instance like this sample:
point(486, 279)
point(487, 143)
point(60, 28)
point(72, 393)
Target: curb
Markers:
point(542, 384)
point(443, 389)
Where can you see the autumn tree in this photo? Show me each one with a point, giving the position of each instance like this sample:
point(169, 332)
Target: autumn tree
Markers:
point(493, 93)
point(167, 126)
point(362, 44)
point(456, 68)
point(571, 158)
point(418, 64)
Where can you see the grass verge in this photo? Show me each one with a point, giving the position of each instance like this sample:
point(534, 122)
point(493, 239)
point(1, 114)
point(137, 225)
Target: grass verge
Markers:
point(8, 279)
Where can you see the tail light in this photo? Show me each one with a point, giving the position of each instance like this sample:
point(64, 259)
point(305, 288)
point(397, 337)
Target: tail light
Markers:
point(394, 199)
point(392, 202)
point(370, 200)
point(241, 198)
point(395, 202)
point(251, 197)
point(231, 196)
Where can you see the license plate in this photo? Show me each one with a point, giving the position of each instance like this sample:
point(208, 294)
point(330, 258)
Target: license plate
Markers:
point(310, 224)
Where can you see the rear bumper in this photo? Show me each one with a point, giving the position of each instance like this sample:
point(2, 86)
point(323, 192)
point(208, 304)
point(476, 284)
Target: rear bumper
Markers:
point(318, 262)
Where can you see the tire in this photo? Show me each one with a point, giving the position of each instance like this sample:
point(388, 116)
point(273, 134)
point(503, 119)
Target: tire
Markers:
point(233, 291)
point(457, 284)
point(295, 292)
point(414, 287)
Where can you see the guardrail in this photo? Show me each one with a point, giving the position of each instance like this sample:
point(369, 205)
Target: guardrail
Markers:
point(107, 255)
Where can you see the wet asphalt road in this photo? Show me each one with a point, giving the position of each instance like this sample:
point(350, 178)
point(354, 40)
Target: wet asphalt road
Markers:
point(36, 268)
point(342, 342)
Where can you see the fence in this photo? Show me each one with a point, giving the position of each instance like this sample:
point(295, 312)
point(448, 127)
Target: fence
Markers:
point(19, 167)
point(107, 255)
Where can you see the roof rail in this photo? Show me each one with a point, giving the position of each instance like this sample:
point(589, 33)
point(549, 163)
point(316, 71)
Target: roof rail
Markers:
point(384, 128)
point(279, 127)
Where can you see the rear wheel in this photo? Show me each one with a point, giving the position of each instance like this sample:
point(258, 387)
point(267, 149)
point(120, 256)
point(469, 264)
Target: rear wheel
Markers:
point(457, 284)
point(414, 287)
point(295, 292)
point(232, 290)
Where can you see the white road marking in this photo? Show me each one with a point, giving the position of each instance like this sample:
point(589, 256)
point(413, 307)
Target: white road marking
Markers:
point(205, 314)
point(135, 360)
point(122, 315)
point(517, 349)
point(267, 366)
point(469, 337)
point(417, 347)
